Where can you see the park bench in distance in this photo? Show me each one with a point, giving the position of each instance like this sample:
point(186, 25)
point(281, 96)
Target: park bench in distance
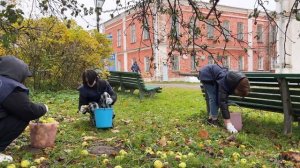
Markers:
point(131, 81)
point(273, 92)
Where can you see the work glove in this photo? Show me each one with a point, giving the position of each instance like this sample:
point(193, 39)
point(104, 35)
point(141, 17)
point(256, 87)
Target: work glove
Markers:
point(84, 109)
point(109, 100)
point(47, 109)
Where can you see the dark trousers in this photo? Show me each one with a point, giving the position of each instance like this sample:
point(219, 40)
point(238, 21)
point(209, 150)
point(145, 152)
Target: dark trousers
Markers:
point(10, 129)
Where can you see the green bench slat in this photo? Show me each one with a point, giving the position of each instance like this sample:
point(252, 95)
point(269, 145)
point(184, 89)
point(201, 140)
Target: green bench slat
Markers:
point(265, 90)
point(260, 106)
point(264, 84)
point(265, 96)
point(262, 79)
point(257, 101)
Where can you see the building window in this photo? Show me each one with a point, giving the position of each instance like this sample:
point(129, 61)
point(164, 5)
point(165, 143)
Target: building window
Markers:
point(119, 36)
point(241, 63)
point(240, 31)
point(260, 63)
point(210, 29)
point(193, 29)
point(226, 62)
point(175, 31)
point(193, 63)
point(119, 65)
point(273, 34)
point(226, 29)
point(211, 59)
point(273, 63)
point(146, 32)
point(133, 33)
point(147, 64)
point(259, 33)
point(175, 63)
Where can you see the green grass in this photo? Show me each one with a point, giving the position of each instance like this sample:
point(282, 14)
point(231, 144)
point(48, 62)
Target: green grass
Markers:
point(169, 123)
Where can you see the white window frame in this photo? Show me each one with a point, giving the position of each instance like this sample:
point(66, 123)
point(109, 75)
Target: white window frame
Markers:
point(259, 33)
point(146, 32)
point(273, 63)
point(226, 61)
point(176, 65)
point(240, 30)
point(241, 63)
point(119, 37)
point(226, 29)
point(210, 60)
point(210, 29)
point(193, 60)
point(260, 63)
point(147, 64)
point(133, 33)
point(273, 34)
point(177, 26)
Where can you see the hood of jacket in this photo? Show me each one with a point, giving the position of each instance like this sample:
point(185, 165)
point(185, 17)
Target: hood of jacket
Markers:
point(232, 79)
point(14, 68)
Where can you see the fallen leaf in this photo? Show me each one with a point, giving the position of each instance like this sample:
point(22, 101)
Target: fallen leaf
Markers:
point(291, 156)
point(126, 121)
point(88, 138)
point(115, 131)
point(203, 134)
point(163, 141)
point(231, 138)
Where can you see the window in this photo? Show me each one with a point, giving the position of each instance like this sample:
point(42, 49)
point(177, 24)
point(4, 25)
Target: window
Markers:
point(147, 64)
point(146, 33)
point(226, 29)
point(260, 63)
point(175, 31)
point(210, 29)
point(210, 60)
point(193, 29)
point(225, 61)
point(259, 33)
point(119, 38)
point(133, 35)
point(175, 63)
point(193, 63)
point(240, 31)
point(119, 65)
point(273, 34)
point(241, 63)
point(273, 63)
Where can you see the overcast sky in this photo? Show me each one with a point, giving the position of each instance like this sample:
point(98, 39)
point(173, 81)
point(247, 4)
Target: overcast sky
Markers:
point(89, 22)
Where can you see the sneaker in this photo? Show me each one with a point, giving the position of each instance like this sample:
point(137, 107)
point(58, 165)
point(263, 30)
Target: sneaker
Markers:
point(212, 122)
point(5, 158)
point(230, 128)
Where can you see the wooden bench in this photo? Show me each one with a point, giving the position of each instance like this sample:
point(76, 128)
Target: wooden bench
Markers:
point(273, 92)
point(131, 81)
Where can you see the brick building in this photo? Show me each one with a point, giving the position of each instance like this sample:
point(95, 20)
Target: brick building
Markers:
point(130, 42)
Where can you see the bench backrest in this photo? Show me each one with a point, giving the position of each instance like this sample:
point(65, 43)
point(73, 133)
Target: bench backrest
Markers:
point(127, 80)
point(267, 92)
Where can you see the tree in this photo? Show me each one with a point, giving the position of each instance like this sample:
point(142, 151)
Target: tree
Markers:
point(57, 55)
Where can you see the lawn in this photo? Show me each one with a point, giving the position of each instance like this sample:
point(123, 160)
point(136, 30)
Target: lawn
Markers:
point(170, 127)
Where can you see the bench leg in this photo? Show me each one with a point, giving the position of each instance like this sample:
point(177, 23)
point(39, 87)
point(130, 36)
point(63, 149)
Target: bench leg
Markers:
point(141, 93)
point(131, 91)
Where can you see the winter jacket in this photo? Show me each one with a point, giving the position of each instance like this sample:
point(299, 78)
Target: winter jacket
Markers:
point(14, 99)
point(135, 68)
point(93, 94)
point(225, 80)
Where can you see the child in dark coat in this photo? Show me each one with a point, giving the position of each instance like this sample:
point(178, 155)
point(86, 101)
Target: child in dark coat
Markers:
point(219, 83)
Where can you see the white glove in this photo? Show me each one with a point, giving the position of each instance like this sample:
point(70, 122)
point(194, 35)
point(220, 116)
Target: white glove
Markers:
point(83, 108)
point(109, 100)
point(47, 109)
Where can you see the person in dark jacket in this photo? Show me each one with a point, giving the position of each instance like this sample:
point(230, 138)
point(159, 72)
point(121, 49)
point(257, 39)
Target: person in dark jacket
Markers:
point(95, 90)
point(16, 109)
point(219, 83)
point(135, 67)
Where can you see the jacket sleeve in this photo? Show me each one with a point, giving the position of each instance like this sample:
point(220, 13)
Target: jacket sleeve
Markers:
point(82, 100)
point(223, 102)
point(19, 105)
point(111, 92)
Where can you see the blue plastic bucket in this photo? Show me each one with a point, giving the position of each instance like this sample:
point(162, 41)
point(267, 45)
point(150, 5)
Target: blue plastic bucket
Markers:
point(104, 117)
